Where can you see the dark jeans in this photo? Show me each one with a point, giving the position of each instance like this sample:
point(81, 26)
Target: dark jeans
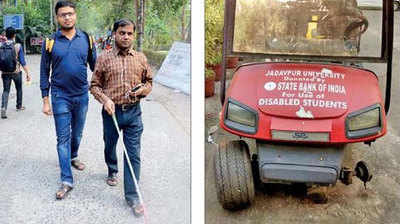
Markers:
point(69, 116)
point(7, 78)
point(130, 121)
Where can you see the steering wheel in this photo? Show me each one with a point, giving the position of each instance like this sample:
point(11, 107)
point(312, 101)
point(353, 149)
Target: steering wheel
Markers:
point(362, 23)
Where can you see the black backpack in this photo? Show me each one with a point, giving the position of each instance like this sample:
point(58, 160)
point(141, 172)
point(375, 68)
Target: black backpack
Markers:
point(8, 57)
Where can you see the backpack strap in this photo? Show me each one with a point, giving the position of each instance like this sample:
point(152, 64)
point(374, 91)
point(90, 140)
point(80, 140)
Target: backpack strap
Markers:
point(91, 43)
point(90, 39)
point(17, 48)
point(50, 43)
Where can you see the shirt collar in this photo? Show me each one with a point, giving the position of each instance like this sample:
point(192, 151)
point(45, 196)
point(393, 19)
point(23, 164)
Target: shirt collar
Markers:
point(116, 51)
point(59, 34)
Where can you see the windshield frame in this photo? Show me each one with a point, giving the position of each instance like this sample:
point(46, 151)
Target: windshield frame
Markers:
point(385, 57)
point(386, 37)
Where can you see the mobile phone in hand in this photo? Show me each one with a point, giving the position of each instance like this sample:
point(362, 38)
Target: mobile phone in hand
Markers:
point(137, 87)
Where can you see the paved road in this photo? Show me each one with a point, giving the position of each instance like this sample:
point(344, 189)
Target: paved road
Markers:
point(380, 203)
point(29, 171)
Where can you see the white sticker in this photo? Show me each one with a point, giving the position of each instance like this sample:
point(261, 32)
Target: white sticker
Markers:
point(303, 113)
point(269, 86)
point(326, 71)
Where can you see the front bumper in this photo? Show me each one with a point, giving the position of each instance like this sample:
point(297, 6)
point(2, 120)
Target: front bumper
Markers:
point(299, 163)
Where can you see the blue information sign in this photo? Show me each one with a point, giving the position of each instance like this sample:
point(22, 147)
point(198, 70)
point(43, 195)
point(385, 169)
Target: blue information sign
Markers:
point(14, 20)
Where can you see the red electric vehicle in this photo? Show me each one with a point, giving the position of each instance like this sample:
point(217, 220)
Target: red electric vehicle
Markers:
point(308, 100)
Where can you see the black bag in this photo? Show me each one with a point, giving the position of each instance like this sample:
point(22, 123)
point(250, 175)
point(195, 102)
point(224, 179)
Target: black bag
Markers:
point(8, 58)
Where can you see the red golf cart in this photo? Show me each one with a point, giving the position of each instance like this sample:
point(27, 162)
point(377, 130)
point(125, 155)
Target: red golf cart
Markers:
point(309, 99)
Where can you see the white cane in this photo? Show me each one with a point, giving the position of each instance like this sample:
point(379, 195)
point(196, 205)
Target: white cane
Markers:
point(130, 165)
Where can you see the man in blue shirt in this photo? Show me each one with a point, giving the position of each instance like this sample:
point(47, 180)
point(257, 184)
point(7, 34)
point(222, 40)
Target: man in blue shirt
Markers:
point(15, 76)
point(68, 88)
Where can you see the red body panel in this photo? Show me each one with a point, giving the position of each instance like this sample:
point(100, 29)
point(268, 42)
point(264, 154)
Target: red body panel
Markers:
point(304, 97)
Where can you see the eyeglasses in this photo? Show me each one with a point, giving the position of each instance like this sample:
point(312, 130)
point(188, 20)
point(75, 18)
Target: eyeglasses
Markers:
point(65, 15)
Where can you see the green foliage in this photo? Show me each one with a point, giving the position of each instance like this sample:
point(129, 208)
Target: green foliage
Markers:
point(163, 18)
point(163, 22)
point(157, 32)
point(168, 7)
point(214, 25)
point(98, 16)
point(155, 58)
point(209, 73)
point(34, 19)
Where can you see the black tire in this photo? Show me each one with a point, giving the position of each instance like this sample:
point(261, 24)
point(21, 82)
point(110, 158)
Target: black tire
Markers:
point(256, 172)
point(233, 175)
point(396, 6)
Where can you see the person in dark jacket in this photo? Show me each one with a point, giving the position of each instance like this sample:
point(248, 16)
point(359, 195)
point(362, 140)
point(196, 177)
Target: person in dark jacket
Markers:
point(15, 76)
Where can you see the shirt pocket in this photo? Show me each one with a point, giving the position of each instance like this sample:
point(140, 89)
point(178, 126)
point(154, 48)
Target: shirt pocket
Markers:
point(112, 71)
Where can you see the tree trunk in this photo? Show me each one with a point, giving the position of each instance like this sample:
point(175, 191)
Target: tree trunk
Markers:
point(139, 23)
point(183, 21)
point(54, 16)
point(189, 32)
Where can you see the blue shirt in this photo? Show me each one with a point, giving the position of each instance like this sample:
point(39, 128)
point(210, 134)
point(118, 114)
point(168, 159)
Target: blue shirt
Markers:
point(21, 57)
point(68, 60)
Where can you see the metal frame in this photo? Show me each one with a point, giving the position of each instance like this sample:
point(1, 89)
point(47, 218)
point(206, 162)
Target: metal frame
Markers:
point(386, 48)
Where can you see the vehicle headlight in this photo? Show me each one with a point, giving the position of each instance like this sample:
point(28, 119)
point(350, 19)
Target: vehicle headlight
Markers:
point(364, 122)
point(240, 117)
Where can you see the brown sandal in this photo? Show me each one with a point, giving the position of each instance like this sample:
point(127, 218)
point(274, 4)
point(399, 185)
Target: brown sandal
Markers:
point(112, 179)
point(78, 164)
point(138, 210)
point(63, 191)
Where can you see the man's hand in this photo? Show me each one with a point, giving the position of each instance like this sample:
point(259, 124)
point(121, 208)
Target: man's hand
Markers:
point(138, 92)
point(46, 106)
point(28, 77)
point(109, 106)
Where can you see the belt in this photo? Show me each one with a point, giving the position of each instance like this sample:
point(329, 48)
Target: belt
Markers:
point(127, 106)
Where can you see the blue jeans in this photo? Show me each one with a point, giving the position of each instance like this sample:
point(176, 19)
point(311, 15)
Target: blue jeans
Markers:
point(130, 121)
point(7, 78)
point(69, 116)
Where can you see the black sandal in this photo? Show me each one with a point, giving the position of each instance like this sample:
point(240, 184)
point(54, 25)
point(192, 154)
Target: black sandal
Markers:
point(63, 191)
point(21, 108)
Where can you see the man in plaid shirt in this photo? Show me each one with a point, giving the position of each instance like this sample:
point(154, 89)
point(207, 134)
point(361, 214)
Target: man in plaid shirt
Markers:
point(121, 78)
